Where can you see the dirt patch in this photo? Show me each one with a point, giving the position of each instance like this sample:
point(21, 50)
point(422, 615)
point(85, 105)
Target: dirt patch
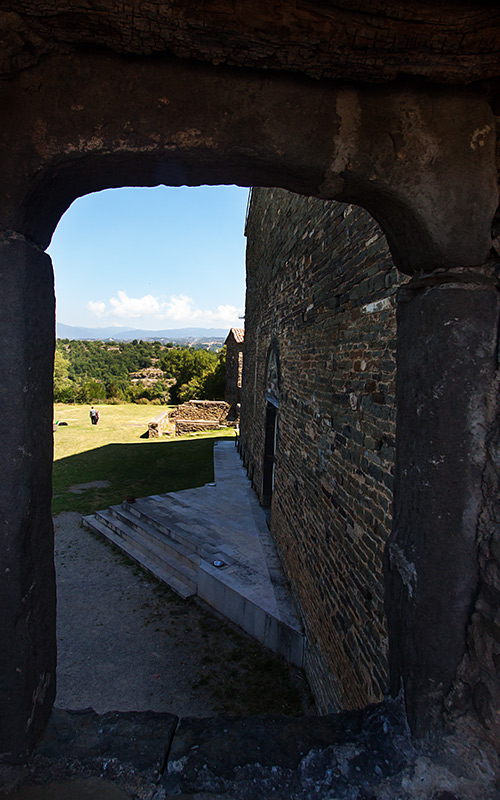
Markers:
point(127, 642)
point(79, 488)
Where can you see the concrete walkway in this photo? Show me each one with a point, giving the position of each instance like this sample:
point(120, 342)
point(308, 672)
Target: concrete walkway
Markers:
point(214, 542)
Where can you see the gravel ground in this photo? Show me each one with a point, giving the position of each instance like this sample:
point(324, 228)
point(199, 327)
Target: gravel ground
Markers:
point(126, 642)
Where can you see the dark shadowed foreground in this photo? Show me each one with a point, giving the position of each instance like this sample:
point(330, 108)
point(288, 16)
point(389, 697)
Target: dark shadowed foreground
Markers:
point(127, 643)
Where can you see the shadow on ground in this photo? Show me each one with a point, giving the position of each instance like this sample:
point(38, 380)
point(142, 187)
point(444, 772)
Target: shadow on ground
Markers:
point(138, 469)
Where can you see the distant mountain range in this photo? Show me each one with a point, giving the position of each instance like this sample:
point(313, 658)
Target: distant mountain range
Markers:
point(122, 334)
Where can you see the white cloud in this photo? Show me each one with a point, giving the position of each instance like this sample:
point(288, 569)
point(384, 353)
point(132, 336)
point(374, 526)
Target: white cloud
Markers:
point(183, 309)
point(179, 309)
point(225, 312)
point(222, 315)
point(134, 307)
point(98, 308)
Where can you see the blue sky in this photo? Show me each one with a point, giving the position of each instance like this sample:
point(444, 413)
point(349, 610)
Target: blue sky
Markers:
point(152, 258)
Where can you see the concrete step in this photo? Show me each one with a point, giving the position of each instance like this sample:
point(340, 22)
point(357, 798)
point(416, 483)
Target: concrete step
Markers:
point(248, 609)
point(168, 558)
point(206, 515)
point(127, 541)
point(216, 587)
point(192, 536)
point(178, 536)
point(193, 541)
point(159, 541)
point(202, 500)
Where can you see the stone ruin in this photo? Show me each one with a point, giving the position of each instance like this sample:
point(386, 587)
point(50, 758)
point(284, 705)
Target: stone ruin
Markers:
point(200, 415)
point(158, 426)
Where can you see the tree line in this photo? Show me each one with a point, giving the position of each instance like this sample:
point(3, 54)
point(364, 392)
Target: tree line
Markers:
point(96, 371)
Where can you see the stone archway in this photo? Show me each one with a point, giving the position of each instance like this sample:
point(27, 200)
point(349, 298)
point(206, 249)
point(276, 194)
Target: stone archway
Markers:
point(406, 154)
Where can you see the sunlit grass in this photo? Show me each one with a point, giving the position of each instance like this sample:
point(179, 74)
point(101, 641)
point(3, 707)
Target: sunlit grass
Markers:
point(114, 451)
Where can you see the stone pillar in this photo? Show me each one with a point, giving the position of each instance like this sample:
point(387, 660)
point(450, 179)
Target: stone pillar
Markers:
point(447, 362)
point(27, 579)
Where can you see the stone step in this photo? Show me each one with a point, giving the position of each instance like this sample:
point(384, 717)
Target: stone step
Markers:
point(127, 542)
point(203, 500)
point(195, 528)
point(194, 537)
point(181, 507)
point(351, 754)
point(159, 541)
point(347, 754)
point(216, 587)
point(167, 558)
point(213, 516)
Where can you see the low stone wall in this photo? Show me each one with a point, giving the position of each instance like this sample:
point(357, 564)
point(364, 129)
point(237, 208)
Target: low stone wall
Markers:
point(202, 409)
point(195, 425)
point(158, 425)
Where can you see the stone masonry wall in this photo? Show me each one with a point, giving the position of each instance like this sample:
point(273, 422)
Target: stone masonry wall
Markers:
point(321, 295)
point(201, 409)
point(195, 425)
point(234, 369)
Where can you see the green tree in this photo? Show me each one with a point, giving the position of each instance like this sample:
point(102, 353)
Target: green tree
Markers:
point(214, 383)
point(89, 391)
point(112, 390)
point(61, 364)
point(63, 387)
point(192, 390)
point(185, 365)
point(91, 370)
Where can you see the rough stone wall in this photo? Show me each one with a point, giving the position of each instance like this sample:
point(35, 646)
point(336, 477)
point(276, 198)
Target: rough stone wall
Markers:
point(201, 409)
point(476, 690)
point(195, 425)
point(234, 370)
point(447, 42)
point(321, 296)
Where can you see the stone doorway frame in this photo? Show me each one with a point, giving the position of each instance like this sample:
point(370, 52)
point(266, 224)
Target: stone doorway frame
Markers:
point(417, 158)
point(271, 430)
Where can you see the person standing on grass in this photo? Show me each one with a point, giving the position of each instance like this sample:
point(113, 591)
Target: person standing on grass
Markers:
point(94, 415)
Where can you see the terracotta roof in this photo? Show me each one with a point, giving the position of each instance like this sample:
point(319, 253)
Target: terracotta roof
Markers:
point(238, 333)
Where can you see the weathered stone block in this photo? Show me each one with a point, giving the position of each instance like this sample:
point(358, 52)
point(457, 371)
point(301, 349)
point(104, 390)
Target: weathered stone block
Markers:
point(27, 580)
point(447, 375)
point(158, 425)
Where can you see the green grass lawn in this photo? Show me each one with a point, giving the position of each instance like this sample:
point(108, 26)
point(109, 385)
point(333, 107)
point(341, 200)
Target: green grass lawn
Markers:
point(114, 451)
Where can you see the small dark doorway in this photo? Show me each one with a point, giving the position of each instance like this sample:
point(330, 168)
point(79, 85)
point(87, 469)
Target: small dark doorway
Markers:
point(269, 453)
